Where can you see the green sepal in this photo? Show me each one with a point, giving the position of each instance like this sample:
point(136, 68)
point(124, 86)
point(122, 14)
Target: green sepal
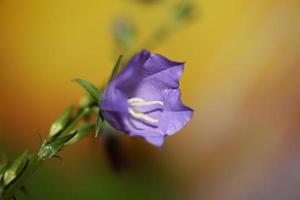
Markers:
point(61, 122)
point(116, 68)
point(83, 131)
point(50, 148)
point(90, 89)
point(108, 128)
point(124, 33)
point(183, 11)
point(16, 167)
point(99, 124)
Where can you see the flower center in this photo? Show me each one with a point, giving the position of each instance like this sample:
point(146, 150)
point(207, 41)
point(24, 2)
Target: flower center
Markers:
point(141, 102)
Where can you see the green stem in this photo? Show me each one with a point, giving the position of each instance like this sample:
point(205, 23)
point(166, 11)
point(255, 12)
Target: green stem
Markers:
point(31, 167)
point(83, 113)
point(35, 161)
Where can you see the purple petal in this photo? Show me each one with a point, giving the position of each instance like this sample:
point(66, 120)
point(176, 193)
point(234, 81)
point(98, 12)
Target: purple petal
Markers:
point(156, 141)
point(148, 77)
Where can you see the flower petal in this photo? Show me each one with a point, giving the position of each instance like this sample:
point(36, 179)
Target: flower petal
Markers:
point(149, 77)
point(156, 141)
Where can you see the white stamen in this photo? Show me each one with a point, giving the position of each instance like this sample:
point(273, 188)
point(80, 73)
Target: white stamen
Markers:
point(141, 102)
point(140, 115)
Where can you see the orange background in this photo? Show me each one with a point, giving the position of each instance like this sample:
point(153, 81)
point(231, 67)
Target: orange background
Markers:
point(241, 78)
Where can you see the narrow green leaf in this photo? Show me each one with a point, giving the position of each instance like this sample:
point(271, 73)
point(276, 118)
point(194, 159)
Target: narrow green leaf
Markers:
point(90, 88)
point(83, 131)
point(50, 148)
point(116, 68)
point(60, 142)
point(61, 122)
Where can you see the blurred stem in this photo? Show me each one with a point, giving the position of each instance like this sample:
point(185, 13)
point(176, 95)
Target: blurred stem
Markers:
point(184, 10)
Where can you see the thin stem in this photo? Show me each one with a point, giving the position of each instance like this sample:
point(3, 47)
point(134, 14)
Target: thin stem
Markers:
point(35, 162)
point(83, 113)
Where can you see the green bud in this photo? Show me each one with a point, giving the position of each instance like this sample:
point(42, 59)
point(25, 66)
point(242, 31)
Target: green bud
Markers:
point(183, 11)
point(61, 122)
point(3, 168)
point(50, 148)
point(95, 110)
point(82, 132)
point(86, 101)
point(124, 33)
point(16, 168)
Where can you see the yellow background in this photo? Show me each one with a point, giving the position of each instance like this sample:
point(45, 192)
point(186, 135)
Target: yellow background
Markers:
point(241, 77)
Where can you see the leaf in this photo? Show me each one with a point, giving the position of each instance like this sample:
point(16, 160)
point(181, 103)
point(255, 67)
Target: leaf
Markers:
point(61, 122)
point(82, 132)
point(90, 88)
point(50, 148)
point(116, 68)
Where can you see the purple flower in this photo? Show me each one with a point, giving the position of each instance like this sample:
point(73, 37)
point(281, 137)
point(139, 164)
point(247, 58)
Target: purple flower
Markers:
point(144, 98)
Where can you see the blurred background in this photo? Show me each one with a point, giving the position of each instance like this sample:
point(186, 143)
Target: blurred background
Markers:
point(241, 77)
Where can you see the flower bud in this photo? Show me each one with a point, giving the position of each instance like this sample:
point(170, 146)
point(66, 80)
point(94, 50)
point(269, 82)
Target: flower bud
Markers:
point(86, 101)
point(124, 33)
point(16, 168)
point(61, 122)
point(184, 11)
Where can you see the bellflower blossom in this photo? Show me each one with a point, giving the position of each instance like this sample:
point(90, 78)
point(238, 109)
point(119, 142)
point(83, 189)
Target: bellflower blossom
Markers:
point(143, 100)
